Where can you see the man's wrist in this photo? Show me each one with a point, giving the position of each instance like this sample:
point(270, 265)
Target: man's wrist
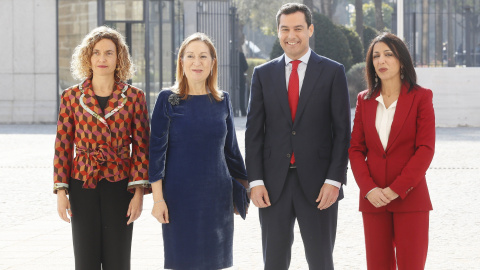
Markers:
point(255, 183)
point(333, 183)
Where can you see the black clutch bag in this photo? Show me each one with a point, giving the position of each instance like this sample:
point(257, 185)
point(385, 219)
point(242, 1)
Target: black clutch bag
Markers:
point(240, 198)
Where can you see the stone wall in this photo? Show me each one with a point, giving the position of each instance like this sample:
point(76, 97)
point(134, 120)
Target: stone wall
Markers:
point(456, 94)
point(28, 69)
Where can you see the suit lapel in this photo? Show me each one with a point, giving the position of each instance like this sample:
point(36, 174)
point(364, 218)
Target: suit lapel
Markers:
point(117, 99)
point(370, 116)
point(89, 99)
point(312, 73)
point(90, 103)
point(280, 86)
point(404, 104)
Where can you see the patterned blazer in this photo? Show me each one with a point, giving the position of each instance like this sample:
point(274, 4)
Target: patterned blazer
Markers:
point(102, 142)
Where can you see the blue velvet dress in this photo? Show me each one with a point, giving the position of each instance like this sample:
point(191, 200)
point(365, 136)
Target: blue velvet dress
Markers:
point(193, 148)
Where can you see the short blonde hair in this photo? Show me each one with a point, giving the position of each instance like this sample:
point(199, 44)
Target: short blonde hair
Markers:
point(181, 83)
point(81, 66)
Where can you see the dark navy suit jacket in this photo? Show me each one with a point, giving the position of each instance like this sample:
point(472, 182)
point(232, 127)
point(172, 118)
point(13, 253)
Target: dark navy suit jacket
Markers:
point(319, 136)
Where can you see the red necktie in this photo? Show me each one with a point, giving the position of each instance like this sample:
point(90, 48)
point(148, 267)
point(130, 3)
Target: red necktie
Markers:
point(293, 94)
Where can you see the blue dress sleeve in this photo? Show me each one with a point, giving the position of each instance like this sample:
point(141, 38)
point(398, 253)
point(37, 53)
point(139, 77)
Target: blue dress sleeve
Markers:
point(234, 158)
point(159, 138)
point(235, 163)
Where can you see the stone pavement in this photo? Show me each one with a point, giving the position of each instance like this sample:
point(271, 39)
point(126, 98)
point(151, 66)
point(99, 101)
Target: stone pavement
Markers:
point(32, 236)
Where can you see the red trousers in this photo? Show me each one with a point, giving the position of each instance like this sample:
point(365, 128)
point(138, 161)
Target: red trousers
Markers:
point(396, 239)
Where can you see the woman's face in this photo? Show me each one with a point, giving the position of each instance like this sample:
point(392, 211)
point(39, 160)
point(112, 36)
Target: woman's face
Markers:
point(104, 58)
point(197, 62)
point(387, 65)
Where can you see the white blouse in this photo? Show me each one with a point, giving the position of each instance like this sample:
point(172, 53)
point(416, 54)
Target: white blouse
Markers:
point(384, 119)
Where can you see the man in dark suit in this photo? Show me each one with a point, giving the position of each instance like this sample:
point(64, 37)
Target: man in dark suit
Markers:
point(297, 138)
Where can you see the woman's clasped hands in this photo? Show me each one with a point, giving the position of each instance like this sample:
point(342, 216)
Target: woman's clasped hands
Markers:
point(380, 197)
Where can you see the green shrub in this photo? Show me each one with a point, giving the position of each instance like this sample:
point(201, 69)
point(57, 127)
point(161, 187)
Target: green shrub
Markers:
point(276, 50)
point(369, 33)
point(369, 15)
point(355, 44)
point(356, 82)
point(252, 63)
point(330, 41)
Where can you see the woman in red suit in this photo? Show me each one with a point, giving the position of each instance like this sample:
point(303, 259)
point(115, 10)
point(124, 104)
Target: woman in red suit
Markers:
point(392, 145)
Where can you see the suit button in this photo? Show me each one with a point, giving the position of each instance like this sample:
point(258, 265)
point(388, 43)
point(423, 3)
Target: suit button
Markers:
point(289, 156)
point(384, 156)
point(293, 133)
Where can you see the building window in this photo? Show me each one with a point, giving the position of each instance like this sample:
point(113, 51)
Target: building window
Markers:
point(76, 18)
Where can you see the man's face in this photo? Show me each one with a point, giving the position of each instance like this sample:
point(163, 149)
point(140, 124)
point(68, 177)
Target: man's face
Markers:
point(293, 34)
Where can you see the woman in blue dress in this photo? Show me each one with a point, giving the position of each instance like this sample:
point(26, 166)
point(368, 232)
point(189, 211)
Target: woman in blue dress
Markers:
point(194, 163)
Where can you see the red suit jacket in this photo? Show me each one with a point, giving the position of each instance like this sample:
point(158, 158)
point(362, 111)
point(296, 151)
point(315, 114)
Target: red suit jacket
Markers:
point(410, 148)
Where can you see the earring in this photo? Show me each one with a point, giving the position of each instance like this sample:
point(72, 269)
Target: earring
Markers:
point(211, 72)
point(401, 74)
point(376, 79)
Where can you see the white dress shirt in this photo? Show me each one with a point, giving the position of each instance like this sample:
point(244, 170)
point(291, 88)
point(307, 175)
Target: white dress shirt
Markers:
point(301, 69)
point(383, 123)
point(384, 120)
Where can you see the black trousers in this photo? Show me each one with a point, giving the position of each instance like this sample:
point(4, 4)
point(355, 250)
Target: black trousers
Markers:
point(318, 228)
point(101, 237)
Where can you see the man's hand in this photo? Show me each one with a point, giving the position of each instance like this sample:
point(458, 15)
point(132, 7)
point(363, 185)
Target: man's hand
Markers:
point(259, 196)
point(328, 195)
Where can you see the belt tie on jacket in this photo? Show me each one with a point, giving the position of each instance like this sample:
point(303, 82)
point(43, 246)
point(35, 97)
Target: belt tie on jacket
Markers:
point(97, 157)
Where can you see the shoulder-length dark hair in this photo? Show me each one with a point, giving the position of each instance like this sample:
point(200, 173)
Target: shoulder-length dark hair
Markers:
point(400, 51)
point(181, 83)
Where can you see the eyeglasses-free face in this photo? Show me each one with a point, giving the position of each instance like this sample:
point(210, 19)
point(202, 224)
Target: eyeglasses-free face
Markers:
point(104, 58)
point(197, 62)
point(386, 64)
point(294, 34)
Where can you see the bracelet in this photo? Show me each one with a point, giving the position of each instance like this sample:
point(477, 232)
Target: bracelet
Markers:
point(158, 201)
point(370, 192)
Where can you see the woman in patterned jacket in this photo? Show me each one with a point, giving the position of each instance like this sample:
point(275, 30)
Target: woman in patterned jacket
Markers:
point(101, 152)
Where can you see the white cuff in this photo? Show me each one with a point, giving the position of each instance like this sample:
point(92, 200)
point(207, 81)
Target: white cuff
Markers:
point(60, 185)
point(143, 183)
point(333, 183)
point(255, 183)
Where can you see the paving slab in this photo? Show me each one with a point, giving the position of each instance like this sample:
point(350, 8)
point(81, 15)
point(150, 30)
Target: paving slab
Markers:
point(32, 236)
